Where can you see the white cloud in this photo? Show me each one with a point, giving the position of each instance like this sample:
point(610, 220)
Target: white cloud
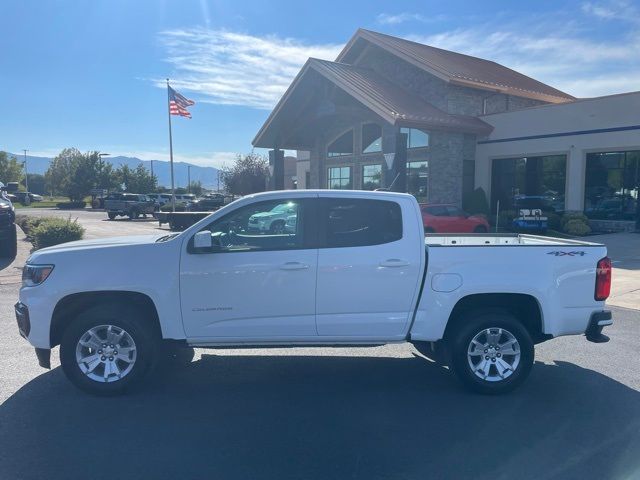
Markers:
point(612, 10)
point(395, 19)
point(231, 68)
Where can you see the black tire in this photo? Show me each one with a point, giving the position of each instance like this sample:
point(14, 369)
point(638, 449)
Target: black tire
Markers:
point(112, 216)
point(133, 214)
point(480, 229)
point(429, 230)
point(460, 341)
point(135, 323)
point(9, 242)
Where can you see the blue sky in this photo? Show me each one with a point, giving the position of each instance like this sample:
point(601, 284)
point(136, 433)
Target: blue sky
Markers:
point(89, 73)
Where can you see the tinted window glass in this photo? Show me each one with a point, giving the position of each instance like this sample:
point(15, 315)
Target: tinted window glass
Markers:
point(371, 138)
point(358, 222)
point(343, 145)
point(438, 211)
point(453, 211)
point(270, 225)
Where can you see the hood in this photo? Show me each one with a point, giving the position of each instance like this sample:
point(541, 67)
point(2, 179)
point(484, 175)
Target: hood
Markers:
point(263, 215)
point(95, 244)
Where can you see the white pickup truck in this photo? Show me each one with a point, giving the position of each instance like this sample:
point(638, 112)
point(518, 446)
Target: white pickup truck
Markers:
point(355, 270)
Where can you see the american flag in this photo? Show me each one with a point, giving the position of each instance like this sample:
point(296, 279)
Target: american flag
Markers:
point(178, 104)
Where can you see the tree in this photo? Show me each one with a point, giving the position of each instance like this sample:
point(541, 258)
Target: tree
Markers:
point(58, 175)
point(196, 188)
point(36, 183)
point(74, 174)
point(137, 180)
point(247, 175)
point(10, 169)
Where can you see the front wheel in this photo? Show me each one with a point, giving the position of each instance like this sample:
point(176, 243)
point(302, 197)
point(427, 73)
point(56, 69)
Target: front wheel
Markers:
point(107, 350)
point(492, 353)
point(111, 216)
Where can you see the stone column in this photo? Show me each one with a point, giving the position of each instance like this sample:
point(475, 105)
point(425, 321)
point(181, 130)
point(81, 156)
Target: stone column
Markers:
point(276, 164)
point(574, 186)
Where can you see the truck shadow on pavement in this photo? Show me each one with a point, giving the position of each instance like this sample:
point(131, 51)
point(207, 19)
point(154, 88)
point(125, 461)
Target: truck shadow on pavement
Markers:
point(329, 417)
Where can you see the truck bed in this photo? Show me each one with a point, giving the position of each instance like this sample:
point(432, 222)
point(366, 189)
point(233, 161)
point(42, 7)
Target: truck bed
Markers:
point(477, 240)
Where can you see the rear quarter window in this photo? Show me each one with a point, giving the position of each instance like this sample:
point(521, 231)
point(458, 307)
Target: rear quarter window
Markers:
point(350, 222)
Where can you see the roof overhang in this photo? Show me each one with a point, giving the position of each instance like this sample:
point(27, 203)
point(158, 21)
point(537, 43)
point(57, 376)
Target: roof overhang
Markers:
point(387, 101)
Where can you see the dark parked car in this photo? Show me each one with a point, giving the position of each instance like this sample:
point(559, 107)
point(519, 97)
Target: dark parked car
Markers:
point(208, 203)
point(130, 205)
point(8, 236)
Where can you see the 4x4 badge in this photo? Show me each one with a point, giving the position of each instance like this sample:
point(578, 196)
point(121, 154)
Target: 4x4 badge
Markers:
point(571, 254)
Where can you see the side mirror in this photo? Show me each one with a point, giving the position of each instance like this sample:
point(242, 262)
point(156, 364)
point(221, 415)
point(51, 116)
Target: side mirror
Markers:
point(202, 240)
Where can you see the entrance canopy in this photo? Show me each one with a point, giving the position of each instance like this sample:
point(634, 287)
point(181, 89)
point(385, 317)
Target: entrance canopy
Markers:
point(323, 90)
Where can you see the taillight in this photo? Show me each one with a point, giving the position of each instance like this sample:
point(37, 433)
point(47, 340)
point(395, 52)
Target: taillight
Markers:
point(603, 279)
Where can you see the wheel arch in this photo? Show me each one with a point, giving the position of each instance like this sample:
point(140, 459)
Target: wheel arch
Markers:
point(69, 307)
point(525, 307)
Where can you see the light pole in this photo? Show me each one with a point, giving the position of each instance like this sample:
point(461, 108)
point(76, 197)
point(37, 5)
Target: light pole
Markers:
point(188, 178)
point(103, 155)
point(26, 173)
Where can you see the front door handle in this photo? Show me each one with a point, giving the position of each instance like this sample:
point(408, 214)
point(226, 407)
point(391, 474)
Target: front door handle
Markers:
point(394, 262)
point(294, 266)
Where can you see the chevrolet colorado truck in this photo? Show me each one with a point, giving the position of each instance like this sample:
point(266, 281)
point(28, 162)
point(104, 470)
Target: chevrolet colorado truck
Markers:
point(354, 268)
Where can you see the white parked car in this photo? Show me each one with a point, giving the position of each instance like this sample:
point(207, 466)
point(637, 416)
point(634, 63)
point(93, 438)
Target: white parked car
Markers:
point(275, 220)
point(353, 270)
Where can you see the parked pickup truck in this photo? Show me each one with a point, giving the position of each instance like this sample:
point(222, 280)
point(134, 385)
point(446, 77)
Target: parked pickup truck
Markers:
point(130, 205)
point(354, 269)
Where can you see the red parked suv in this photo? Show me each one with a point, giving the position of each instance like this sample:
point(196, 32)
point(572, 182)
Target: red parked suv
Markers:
point(442, 218)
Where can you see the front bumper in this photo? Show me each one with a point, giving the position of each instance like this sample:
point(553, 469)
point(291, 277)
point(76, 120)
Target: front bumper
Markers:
point(24, 327)
point(597, 322)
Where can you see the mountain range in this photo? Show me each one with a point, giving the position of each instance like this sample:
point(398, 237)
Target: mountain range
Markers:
point(207, 176)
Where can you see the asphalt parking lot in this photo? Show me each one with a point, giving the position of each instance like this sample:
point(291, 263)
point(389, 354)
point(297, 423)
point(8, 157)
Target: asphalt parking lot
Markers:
point(363, 413)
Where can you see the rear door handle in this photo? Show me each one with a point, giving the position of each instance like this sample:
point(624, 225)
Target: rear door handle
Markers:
point(294, 266)
point(394, 262)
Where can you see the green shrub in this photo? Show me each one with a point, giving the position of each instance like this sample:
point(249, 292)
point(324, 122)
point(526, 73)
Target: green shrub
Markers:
point(53, 231)
point(71, 205)
point(476, 202)
point(28, 223)
point(576, 227)
point(568, 217)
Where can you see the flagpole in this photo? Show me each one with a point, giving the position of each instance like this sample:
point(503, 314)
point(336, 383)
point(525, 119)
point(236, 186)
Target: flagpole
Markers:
point(173, 193)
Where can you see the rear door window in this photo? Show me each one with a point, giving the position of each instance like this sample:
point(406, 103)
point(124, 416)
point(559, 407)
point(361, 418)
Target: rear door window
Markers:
point(354, 222)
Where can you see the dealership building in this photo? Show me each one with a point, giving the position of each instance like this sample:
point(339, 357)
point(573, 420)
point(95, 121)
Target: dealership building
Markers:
point(391, 113)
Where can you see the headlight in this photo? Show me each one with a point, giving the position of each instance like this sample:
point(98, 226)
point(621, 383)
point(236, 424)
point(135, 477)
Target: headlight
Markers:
point(33, 275)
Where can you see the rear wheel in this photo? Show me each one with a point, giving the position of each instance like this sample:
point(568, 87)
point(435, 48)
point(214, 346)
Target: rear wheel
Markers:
point(111, 216)
point(480, 229)
point(107, 350)
point(491, 353)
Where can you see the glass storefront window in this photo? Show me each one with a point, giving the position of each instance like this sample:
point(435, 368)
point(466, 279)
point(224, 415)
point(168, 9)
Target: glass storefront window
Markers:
point(371, 138)
point(418, 179)
point(343, 145)
point(371, 177)
point(339, 178)
point(612, 181)
point(416, 138)
point(536, 181)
